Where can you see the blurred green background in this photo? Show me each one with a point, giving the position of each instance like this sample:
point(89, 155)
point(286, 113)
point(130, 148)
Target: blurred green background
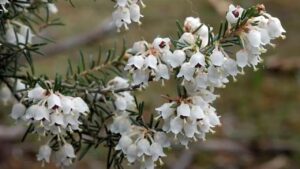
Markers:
point(260, 112)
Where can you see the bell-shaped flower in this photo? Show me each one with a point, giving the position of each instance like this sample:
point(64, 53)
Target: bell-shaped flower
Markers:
point(118, 83)
point(166, 110)
point(187, 71)
point(121, 124)
point(162, 139)
point(121, 17)
point(44, 153)
point(217, 57)
point(52, 8)
point(135, 13)
point(187, 38)
point(197, 59)
point(80, 105)
point(140, 77)
point(18, 111)
point(183, 110)
point(162, 72)
point(191, 24)
point(143, 146)
point(37, 93)
point(196, 112)
point(242, 58)
point(176, 125)
point(57, 119)
point(214, 119)
point(135, 62)
point(254, 38)
point(161, 44)
point(132, 153)
point(275, 28)
point(67, 104)
point(138, 47)
point(150, 62)
point(177, 58)
point(124, 142)
point(234, 13)
point(66, 155)
point(37, 113)
point(53, 101)
point(156, 151)
point(231, 67)
point(190, 128)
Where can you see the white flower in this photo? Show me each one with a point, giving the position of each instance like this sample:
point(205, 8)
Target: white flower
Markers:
point(80, 105)
point(187, 71)
point(162, 72)
point(37, 93)
point(5, 95)
point(52, 8)
point(57, 119)
point(135, 62)
point(135, 13)
point(242, 58)
point(231, 67)
point(150, 62)
point(162, 139)
point(121, 17)
point(138, 47)
point(121, 124)
point(217, 57)
point(132, 153)
point(118, 83)
point(67, 104)
point(254, 38)
point(197, 112)
point(140, 77)
point(65, 155)
point(18, 111)
point(53, 101)
point(187, 38)
point(234, 13)
point(166, 110)
point(44, 153)
point(37, 113)
point(176, 125)
point(124, 142)
point(197, 59)
point(183, 110)
point(156, 151)
point(161, 44)
point(177, 58)
point(143, 146)
point(191, 24)
point(275, 28)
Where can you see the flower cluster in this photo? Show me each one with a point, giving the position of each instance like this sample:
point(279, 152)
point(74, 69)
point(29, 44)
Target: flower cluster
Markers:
point(200, 60)
point(52, 114)
point(18, 33)
point(127, 11)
